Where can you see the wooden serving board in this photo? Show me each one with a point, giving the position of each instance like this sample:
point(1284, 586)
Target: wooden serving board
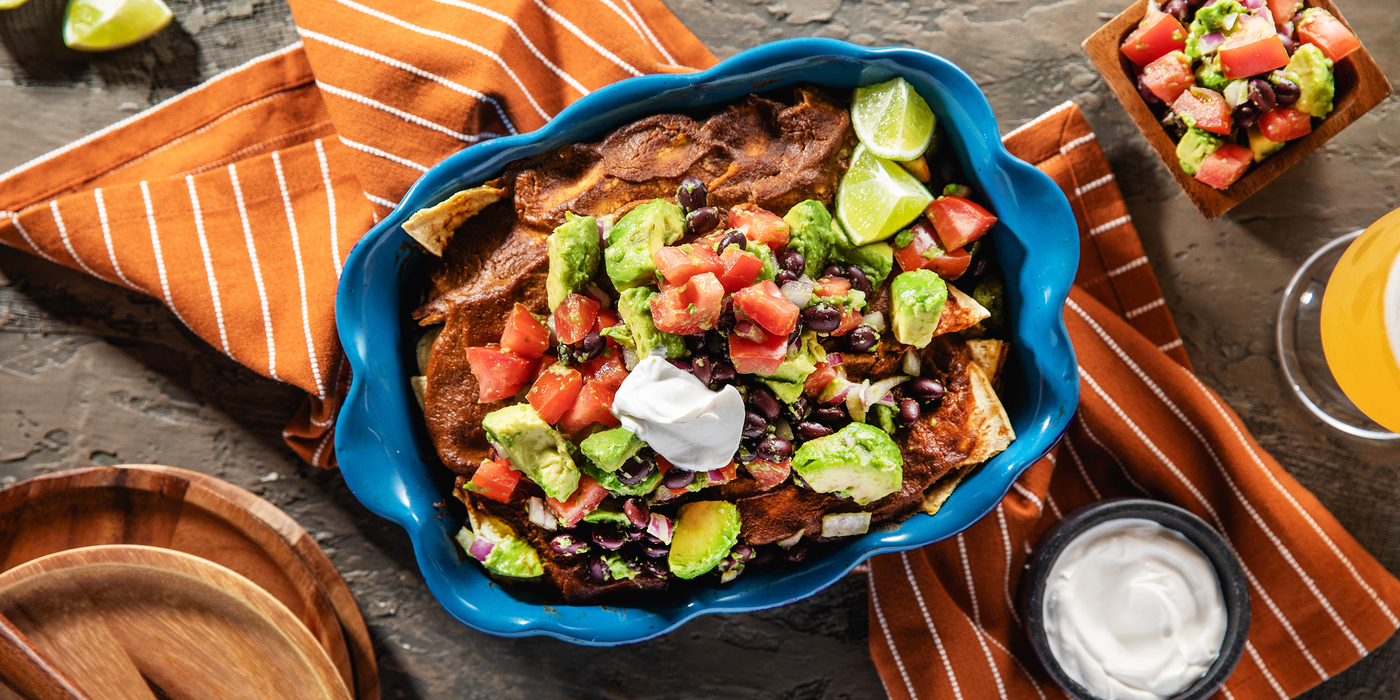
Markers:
point(129, 622)
point(199, 515)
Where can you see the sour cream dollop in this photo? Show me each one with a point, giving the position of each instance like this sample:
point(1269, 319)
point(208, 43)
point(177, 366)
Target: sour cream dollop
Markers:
point(694, 428)
point(1133, 611)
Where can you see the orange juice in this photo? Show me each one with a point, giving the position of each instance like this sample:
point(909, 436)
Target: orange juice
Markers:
point(1361, 322)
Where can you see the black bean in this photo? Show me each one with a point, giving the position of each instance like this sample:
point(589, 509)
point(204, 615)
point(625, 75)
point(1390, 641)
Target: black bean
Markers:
point(723, 373)
point(797, 410)
point(691, 194)
point(858, 279)
point(763, 401)
point(832, 343)
point(568, 545)
point(608, 537)
point(1286, 92)
point(702, 220)
point(637, 512)
point(653, 550)
point(701, 366)
point(811, 430)
point(785, 276)
point(796, 554)
point(754, 425)
point(925, 389)
point(734, 237)
point(695, 342)
point(747, 451)
point(1261, 93)
point(677, 478)
point(792, 260)
point(1147, 94)
point(715, 342)
point(764, 555)
point(634, 535)
point(1245, 115)
point(598, 569)
point(834, 271)
point(634, 471)
point(656, 567)
point(909, 411)
point(590, 347)
point(822, 318)
point(774, 449)
point(742, 553)
point(829, 415)
point(863, 338)
point(1178, 9)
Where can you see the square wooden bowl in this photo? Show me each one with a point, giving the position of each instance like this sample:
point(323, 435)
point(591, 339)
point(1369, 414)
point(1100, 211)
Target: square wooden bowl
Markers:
point(1360, 86)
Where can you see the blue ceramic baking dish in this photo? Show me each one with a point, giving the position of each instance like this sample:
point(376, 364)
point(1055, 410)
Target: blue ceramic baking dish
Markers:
point(389, 462)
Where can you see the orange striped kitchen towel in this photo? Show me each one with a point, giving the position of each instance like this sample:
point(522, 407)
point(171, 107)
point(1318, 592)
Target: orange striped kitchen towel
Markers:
point(943, 622)
point(236, 202)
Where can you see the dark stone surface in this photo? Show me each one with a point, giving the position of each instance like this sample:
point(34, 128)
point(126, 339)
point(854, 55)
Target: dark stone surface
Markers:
point(91, 374)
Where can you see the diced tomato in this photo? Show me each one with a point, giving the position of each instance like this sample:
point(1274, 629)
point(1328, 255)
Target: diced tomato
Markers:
point(850, 318)
point(585, 500)
point(1169, 76)
point(832, 287)
point(1225, 166)
point(925, 252)
point(524, 334)
point(1283, 10)
point(769, 474)
point(1253, 49)
point(1284, 124)
point(740, 269)
point(1157, 35)
point(726, 474)
point(676, 265)
point(607, 318)
point(494, 479)
point(757, 358)
point(499, 373)
point(575, 317)
point(760, 226)
point(767, 306)
point(607, 370)
point(593, 405)
point(958, 221)
point(542, 365)
point(1319, 28)
point(691, 308)
point(816, 381)
point(1206, 109)
point(554, 392)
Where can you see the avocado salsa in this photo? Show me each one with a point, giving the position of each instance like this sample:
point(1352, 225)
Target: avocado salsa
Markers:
point(1232, 81)
point(867, 371)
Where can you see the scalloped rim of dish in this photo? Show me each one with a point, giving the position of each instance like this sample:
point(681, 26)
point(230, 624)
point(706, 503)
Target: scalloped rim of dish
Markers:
point(380, 448)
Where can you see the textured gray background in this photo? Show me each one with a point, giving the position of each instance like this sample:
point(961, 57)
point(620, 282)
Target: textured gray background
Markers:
point(90, 374)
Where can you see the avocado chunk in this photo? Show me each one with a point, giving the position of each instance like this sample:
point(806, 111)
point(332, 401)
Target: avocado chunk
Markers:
point(1210, 19)
point(876, 260)
point(533, 448)
point(765, 254)
point(810, 233)
point(860, 462)
point(1261, 145)
point(1312, 71)
point(609, 481)
point(609, 511)
point(705, 531)
point(636, 237)
point(573, 257)
point(1208, 74)
point(802, 359)
point(1195, 147)
point(634, 306)
point(511, 554)
point(608, 449)
point(916, 303)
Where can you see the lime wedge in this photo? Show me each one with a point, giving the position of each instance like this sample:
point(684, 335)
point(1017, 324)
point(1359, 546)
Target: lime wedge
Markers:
point(877, 197)
point(104, 25)
point(892, 120)
point(11, 4)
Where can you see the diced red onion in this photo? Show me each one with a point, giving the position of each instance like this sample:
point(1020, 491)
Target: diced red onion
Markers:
point(497, 451)
point(1210, 42)
point(749, 330)
point(840, 396)
point(845, 524)
point(1252, 4)
point(912, 365)
point(1230, 20)
point(540, 515)
point(715, 476)
point(599, 295)
point(875, 320)
point(799, 291)
point(683, 365)
point(834, 359)
point(879, 392)
point(480, 548)
point(790, 541)
point(660, 527)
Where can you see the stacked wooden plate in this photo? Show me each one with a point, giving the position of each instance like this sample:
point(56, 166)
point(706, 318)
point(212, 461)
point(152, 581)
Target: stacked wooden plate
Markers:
point(152, 582)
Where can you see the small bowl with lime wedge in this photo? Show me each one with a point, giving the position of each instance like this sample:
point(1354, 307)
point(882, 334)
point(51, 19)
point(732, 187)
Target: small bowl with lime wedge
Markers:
point(389, 462)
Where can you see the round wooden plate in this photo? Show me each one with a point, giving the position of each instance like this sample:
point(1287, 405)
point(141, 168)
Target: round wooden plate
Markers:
point(197, 514)
point(130, 623)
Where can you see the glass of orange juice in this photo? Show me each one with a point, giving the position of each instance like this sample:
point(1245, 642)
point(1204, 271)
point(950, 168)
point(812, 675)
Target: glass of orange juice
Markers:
point(1339, 332)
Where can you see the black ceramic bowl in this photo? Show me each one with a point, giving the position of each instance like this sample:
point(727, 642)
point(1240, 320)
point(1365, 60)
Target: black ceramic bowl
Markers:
point(1233, 586)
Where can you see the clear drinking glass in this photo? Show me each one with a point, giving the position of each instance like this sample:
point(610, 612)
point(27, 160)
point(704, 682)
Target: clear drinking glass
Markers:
point(1339, 332)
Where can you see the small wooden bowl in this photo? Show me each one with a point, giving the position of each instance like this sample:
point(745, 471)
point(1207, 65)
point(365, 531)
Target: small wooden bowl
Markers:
point(1360, 86)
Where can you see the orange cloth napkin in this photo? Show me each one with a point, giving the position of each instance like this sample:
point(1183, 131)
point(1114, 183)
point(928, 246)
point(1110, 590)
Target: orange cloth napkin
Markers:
point(943, 622)
point(236, 202)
